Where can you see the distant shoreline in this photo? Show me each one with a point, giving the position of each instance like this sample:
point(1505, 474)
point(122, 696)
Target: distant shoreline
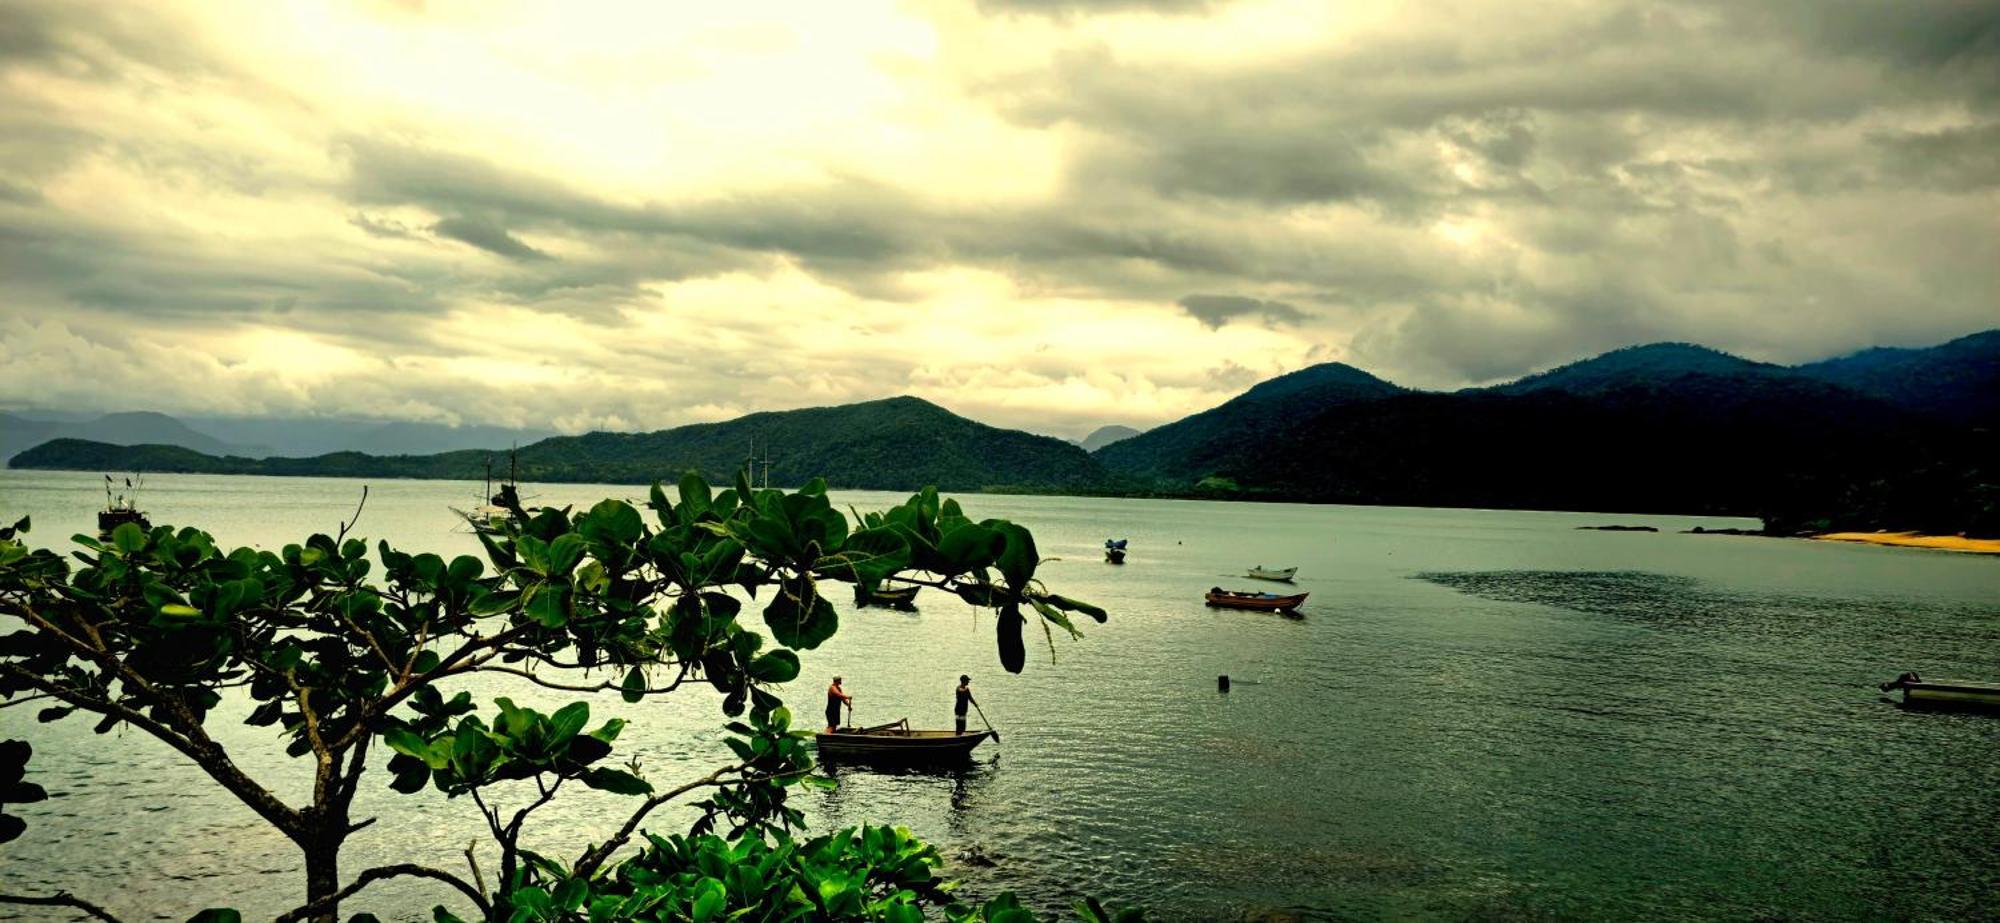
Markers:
point(1915, 540)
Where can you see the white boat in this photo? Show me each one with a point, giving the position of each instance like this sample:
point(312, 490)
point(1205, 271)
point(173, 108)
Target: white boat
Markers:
point(1284, 575)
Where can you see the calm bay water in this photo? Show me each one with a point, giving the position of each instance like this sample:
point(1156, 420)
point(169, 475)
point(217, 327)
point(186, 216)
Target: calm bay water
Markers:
point(1482, 715)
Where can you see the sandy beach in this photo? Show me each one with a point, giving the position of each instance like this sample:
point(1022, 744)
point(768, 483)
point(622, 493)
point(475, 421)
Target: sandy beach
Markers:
point(1917, 540)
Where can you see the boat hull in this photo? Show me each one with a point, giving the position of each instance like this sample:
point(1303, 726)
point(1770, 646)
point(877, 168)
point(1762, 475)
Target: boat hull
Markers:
point(898, 746)
point(1280, 576)
point(1261, 602)
point(1950, 695)
point(888, 598)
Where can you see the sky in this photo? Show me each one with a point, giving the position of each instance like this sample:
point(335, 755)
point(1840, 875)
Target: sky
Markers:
point(1041, 214)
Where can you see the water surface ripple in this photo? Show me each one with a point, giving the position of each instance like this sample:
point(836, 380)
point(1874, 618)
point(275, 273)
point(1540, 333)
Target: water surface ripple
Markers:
point(1482, 715)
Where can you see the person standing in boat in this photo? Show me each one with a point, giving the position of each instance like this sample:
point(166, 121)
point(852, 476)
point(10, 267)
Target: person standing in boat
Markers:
point(835, 697)
point(964, 700)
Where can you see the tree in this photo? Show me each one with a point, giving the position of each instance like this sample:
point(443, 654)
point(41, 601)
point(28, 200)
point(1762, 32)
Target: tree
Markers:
point(156, 627)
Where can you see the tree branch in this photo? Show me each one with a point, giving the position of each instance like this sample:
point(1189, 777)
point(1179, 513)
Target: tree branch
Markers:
point(207, 755)
point(606, 686)
point(61, 899)
point(382, 872)
point(596, 855)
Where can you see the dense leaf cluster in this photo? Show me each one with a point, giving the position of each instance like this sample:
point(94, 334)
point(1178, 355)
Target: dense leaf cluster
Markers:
point(341, 651)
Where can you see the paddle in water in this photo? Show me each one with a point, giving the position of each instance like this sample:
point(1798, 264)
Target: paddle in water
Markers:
point(989, 724)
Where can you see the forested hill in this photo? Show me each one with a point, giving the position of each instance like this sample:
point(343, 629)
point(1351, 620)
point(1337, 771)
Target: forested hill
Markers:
point(1896, 439)
point(1177, 455)
point(901, 443)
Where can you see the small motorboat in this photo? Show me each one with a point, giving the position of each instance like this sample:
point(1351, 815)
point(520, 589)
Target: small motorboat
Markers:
point(895, 742)
point(1114, 550)
point(892, 597)
point(1282, 575)
point(1945, 693)
point(1256, 602)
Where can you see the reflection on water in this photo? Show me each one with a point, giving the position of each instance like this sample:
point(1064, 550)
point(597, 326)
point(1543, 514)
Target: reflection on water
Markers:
point(1482, 715)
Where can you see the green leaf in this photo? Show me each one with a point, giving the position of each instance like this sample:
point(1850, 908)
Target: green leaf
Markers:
point(129, 538)
point(779, 666)
point(494, 603)
point(545, 605)
point(212, 914)
point(609, 732)
point(695, 496)
point(616, 781)
point(709, 902)
point(175, 609)
point(1018, 557)
point(634, 687)
point(407, 742)
point(799, 617)
point(1055, 616)
point(970, 547)
point(565, 552)
point(1076, 605)
point(568, 721)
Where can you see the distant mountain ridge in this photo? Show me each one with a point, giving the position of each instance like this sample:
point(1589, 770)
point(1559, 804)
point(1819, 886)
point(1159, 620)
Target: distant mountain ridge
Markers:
point(131, 428)
point(1890, 438)
point(1648, 364)
point(1959, 380)
point(1106, 435)
point(258, 438)
point(1881, 439)
point(899, 443)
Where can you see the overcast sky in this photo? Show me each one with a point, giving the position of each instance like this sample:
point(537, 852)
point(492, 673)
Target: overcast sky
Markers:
point(1041, 214)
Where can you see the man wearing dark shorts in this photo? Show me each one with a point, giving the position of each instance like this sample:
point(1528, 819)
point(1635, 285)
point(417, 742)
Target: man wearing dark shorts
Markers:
point(964, 699)
point(835, 697)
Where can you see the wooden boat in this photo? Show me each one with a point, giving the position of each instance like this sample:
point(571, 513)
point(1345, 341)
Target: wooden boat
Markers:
point(895, 742)
point(1260, 572)
point(493, 517)
point(893, 597)
point(1256, 602)
point(1114, 550)
point(1945, 693)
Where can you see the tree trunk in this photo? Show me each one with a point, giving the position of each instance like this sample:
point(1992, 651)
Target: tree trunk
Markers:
point(323, 874)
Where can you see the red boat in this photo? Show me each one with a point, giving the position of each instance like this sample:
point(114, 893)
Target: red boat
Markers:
point(1256, 602)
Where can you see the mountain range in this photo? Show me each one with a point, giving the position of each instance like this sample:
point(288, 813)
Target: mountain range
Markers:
point(1901, 438)
point(895, 444)
point(255, 437)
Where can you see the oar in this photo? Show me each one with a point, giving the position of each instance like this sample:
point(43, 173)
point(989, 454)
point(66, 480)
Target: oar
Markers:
point(989, 724)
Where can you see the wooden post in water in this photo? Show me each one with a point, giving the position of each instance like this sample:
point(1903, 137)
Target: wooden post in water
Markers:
point(1222, 683)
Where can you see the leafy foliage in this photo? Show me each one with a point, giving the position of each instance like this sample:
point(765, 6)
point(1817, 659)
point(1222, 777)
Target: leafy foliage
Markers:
point(340, 650)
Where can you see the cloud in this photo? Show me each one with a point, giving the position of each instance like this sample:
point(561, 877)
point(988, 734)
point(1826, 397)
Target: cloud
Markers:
point(1215, 310)
point(677, 216)
point(487, 236)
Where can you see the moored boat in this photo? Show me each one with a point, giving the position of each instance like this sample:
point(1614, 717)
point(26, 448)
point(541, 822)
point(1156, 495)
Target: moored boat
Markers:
point(1945, 693)
point(896, 742)
point(1282, 575)
point(120, 508)
point(1256, 602)
point(492, 517)
point(893, 597)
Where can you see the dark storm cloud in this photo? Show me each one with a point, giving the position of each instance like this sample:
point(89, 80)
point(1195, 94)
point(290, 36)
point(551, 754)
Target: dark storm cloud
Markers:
point(1215, 310)
point(487, 236)
point(1456, 195)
